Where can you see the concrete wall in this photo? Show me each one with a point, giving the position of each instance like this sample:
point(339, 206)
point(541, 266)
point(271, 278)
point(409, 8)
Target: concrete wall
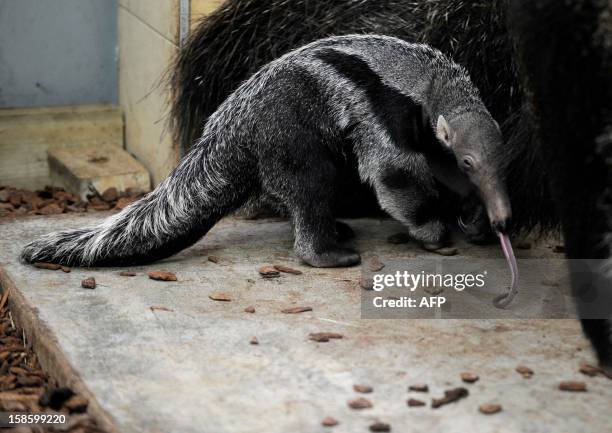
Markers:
point(148, 40)
point(58, 52)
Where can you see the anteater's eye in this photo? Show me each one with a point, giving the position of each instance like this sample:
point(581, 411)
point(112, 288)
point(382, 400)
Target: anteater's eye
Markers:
point(467, 163)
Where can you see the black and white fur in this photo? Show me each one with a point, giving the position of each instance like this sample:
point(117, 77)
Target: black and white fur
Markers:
point(408, 115)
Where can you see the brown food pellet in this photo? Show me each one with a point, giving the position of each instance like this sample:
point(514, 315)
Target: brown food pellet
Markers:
point(419, 387)
point(268, 272)
point(524, 371)
point(323, 337)
point(65, 269)
point(89, 283)
point(413, 402)
point(127, 274)
point(589, 370)
point(220, 296)
point(446, 251)
point(360, 403)
point(399, 238)
point(254, 341)
point(380, 427)
point(328, 421)
point(214, 259)
point(366, 283)
point(249, 310)
point(296, 310)
point(364, 389)
point(573, 386)
point(489, 408)
point(287, 270)
point(469, 377)
point(450, 396)
point(375, 264)
point(161, 308)
point(49, 266)
point(162, 276)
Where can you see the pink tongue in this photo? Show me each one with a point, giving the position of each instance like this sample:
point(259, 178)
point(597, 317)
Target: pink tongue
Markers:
point(503, 300)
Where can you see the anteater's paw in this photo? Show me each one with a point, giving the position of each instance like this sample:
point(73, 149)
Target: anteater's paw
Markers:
point(333, 258)
point(433, 233)
point(344, 231)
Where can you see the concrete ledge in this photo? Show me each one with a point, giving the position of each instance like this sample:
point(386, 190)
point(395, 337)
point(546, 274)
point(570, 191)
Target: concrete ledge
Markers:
point(27, 133)
point(96, 168)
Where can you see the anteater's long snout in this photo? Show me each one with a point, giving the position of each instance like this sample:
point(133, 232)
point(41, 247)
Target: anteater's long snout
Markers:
point(499, 211)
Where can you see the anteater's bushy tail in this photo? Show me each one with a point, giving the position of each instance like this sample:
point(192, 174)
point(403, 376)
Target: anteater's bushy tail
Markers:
point(199, 192)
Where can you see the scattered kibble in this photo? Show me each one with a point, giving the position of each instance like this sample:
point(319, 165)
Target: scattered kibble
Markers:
point(489, 408)
point(160, 308)
point(364, 389)
point(127, 274)
point(254, 341)
point(162, 276)
point(324, 337)
point(524, 371)
point(328, 421)
point(249, 310)
point(360, 403)
point(375, 264)
point(450, 396)
point(89, 283)
point(268, 272)
point(380, 427)
point(65, 269)
point(296, 310)
point(220, 296)
point(573, 386)
point(469, 377)
point(48, 266)
point(419, 387)
point(287, 270)
point(413, 402)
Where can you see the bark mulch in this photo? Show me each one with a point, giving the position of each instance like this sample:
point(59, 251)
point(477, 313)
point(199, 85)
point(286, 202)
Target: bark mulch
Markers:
point(26, 388)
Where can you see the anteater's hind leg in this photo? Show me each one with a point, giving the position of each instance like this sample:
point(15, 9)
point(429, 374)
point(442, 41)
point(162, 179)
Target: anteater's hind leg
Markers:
point(307, 191)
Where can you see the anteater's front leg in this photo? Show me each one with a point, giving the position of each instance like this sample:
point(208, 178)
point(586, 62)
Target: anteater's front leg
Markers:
point(413, 200)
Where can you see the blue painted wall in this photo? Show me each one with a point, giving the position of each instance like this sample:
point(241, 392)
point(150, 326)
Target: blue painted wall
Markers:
point(58, 52)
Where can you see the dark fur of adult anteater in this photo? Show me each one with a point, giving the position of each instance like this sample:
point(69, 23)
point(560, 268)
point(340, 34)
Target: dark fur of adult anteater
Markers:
point(564, 52)
point(241, 36)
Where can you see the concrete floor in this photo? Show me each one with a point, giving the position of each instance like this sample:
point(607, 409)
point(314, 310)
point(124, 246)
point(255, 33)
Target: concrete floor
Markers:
point(192, 369)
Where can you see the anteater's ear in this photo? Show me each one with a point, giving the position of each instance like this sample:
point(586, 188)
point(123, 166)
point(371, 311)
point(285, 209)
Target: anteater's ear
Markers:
point(444, 131)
